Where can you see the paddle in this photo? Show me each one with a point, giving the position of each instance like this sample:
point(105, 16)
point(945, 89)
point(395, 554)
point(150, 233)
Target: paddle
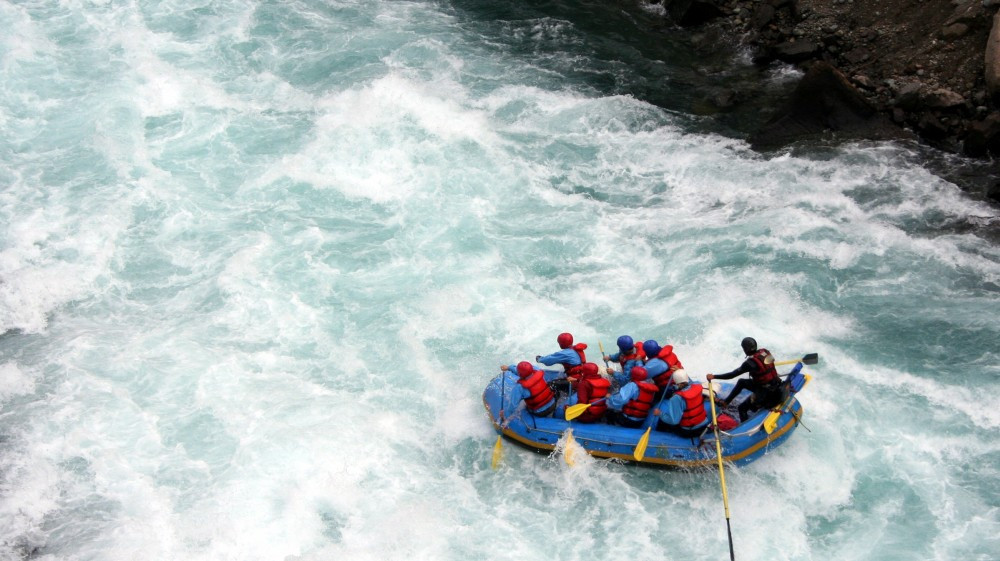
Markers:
point(640, 448)
point(574, 411)
point(498, 447)
point(771, 421)
point(600, 346)
point(497, 452)
point(722, 472)
point(811, 358)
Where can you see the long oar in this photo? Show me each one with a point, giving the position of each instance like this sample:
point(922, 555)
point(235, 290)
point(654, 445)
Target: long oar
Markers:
point(498, 447)
point(574, 411)
point(811, 358)
point(722, 472)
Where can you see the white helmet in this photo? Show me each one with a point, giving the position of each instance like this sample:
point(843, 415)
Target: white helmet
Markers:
point(680, 377)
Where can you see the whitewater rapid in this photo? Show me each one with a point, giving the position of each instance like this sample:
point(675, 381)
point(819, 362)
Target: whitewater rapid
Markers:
point(259, 260)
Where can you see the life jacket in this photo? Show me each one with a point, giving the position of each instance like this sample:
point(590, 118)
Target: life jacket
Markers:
point(694, 406)
point(766, 372)
point(638, 353)
point(673, 363)
point(539, 390)
point(595, 388)
point(576, 369)
point(639, 407)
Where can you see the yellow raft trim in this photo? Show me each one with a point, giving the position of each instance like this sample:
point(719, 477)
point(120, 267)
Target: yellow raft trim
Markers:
point(653, 460)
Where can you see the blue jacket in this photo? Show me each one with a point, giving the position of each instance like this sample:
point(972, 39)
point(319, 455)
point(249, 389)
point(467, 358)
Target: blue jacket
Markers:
point(655, 367)
point(517, 392)
point(564, 356)
point(626, 373)
point(628, 392)
point(672, 411)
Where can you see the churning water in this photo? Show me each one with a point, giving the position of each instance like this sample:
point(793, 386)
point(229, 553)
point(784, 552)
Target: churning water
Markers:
point(258, 261)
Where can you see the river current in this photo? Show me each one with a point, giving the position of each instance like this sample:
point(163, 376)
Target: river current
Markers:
point(258, 261)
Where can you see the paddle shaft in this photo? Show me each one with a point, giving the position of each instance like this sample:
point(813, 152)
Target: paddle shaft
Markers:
point(600, 346)
point(722, 471)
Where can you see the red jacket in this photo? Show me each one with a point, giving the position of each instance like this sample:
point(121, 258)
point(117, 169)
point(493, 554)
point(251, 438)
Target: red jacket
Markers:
point(766, 372)
point(639, 407)
point(590, 390)
point(541, 394)
point(694, 408)
point(673, 363)
point(575, 370)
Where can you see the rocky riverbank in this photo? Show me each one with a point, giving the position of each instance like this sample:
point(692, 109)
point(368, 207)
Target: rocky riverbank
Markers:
point(874, 69)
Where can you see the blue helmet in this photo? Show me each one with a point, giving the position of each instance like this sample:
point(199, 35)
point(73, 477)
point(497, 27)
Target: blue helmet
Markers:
point(625, 343)
point(652, 348)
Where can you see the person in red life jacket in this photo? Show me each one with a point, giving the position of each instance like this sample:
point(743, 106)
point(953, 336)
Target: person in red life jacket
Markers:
point(570, 356)
point(684, 413)
point(592, 388)
point(661, 363)
point(630, 406)
point(533, 388)
point(763, 383)
point(629, 355)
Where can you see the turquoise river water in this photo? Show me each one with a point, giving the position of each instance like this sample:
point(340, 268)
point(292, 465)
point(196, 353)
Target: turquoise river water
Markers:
point(258, 261)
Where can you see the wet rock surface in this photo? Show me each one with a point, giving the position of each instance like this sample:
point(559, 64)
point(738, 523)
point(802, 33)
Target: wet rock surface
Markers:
point(924, 67)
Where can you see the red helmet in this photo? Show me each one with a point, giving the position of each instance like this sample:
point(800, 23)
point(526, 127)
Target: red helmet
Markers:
point(565, 340)
point(524, 369)
point(590, 370)
point(639, 374)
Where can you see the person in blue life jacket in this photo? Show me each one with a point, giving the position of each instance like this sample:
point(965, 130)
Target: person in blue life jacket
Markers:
point(763, 383)
point(684, 412)
point(533, 388)
point(661, 363)
point(631, 404)
point(571, 357)
point(629, 354)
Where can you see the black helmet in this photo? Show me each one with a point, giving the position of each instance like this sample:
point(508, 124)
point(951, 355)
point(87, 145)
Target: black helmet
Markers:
point(749, 345)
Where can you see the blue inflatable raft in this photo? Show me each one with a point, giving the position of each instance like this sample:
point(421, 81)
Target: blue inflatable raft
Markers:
point(742, 445)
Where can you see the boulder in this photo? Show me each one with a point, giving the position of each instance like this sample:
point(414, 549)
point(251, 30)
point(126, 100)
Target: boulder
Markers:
point(942, 98)
point(824, 102)
point(983, 137)
point(692, 13)
point(795, 52)
point(992, 70)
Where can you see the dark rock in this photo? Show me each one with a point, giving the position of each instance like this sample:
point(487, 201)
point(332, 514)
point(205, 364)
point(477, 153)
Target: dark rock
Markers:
point(691, 13)
point(799, 51)
point(863, 81)
point(762, 16)
point(931, 127)
point(857, 56)
point(942, 98)
point(954, 31)
point(824, 102)
point(983, 137)
point(908, 96)
point(967, 12)
point(993, 192)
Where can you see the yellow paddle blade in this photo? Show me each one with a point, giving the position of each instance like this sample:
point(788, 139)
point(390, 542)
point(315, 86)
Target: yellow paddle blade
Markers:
point(640, 448)
point(497, 452)
point(771, 421)
point(574, 411)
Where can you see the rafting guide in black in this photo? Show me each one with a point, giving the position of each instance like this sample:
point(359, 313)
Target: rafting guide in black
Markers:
point(763, 382)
